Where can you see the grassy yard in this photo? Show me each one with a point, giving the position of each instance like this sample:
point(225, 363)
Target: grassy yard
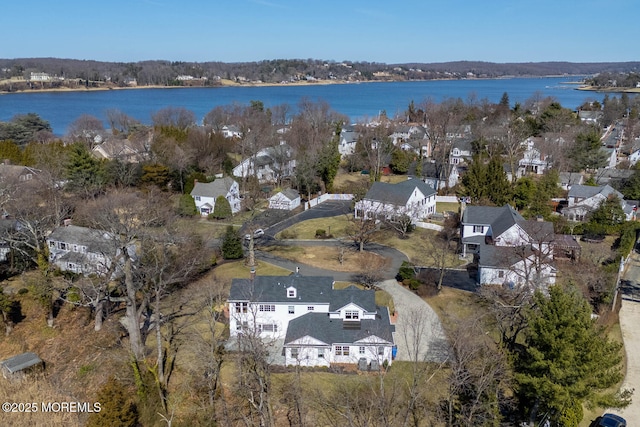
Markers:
point(417, 247)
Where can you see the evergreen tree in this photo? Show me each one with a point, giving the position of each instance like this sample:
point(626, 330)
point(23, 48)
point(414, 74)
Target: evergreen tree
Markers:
point(498, 187)
point(187, 206)
point(85, 174)
point(156, 174)
point(232, 244)
point(474, 179)
point(586, 153)
point(400, 161)
point(9, 150)
point(117, 409)
point(222, 209)
point(487, 182)
point(566, 358)
point(523, 192)
point(329, 160)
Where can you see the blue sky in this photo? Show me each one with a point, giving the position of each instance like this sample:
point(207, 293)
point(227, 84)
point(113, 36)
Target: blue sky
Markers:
point(398, 31)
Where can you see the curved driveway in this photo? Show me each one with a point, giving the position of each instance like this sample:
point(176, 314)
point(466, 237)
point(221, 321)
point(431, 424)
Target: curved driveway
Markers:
point(419, 333)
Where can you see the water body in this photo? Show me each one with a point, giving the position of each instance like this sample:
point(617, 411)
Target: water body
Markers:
point(357, 101)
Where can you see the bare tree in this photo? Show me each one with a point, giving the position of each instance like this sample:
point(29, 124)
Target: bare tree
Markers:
point(120, 122)
point(478, 375)
point(127, 216)
point(86, 129)
point(441, 120)
point(361, 230)
point(442, 247)
point(210, 351)
point(174, 117)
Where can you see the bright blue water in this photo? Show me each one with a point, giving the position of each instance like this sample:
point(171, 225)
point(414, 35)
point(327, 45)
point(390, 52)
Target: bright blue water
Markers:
point(357, 101)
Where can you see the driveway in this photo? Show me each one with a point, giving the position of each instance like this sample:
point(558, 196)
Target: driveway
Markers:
point(629, 320)
point(419, 332)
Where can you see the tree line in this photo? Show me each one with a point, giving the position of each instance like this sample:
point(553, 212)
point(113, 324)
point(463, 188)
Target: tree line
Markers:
point(159, 72)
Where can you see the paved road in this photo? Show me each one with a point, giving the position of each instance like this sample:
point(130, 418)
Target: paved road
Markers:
point(629, 321)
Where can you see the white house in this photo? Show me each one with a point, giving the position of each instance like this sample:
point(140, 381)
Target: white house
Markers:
point(268, 165)
point(385, 201)
point(508, 249)
point(348, 140)
point(461, 151)
point(288, 199)
point(320, 325)
point(205, 194)
point(533, 160)
point(84, 250)
point(231, 131)
point(583, 199)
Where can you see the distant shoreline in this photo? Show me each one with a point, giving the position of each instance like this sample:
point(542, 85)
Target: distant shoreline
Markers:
point(228, 83)
point(610, 89)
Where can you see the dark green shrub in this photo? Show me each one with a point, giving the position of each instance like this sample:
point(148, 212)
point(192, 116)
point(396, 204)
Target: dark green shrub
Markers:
point(321, 234)
point(222, 209)
point(232, 244)
point(406, 271)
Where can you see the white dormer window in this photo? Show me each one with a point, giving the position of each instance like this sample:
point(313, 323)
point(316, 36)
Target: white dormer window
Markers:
point(291, 292)
point(351, 315)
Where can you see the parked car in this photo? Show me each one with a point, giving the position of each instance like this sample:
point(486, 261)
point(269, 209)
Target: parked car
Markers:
point(612, 420)
point(258, 233)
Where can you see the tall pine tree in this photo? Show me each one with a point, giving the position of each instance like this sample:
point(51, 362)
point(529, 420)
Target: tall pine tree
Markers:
point(566, 358)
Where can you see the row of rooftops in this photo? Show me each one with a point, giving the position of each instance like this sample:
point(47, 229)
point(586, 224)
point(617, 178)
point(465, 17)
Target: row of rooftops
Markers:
point(307, 289)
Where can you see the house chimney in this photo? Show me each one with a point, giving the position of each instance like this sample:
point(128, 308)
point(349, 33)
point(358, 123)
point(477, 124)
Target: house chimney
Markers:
point(297, 270)
point(252, 274)
point(66, 222)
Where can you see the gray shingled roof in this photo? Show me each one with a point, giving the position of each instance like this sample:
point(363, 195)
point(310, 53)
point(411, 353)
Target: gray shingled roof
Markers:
point(219, 187)
point(97, 241)
point(290, 194)
point(397, 194)
point(586, 191)
point(499, 256)
point(332, 331)
point(499, 218)
point(365, 299)
point(316, 289)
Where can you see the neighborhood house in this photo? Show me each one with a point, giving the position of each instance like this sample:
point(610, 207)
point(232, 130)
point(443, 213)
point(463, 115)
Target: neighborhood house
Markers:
point(508, 249)
point(84, 250)
point(288, 199)
point(320, 324)
point(385, 201)
point(205, 194)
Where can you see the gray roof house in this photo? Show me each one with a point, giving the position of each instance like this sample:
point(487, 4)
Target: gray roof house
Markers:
point(85, 250)
point(583, 199)
point(384, 201)
point(507, 248)
point(315, 324)
point(205, 194)
point(288, 199)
